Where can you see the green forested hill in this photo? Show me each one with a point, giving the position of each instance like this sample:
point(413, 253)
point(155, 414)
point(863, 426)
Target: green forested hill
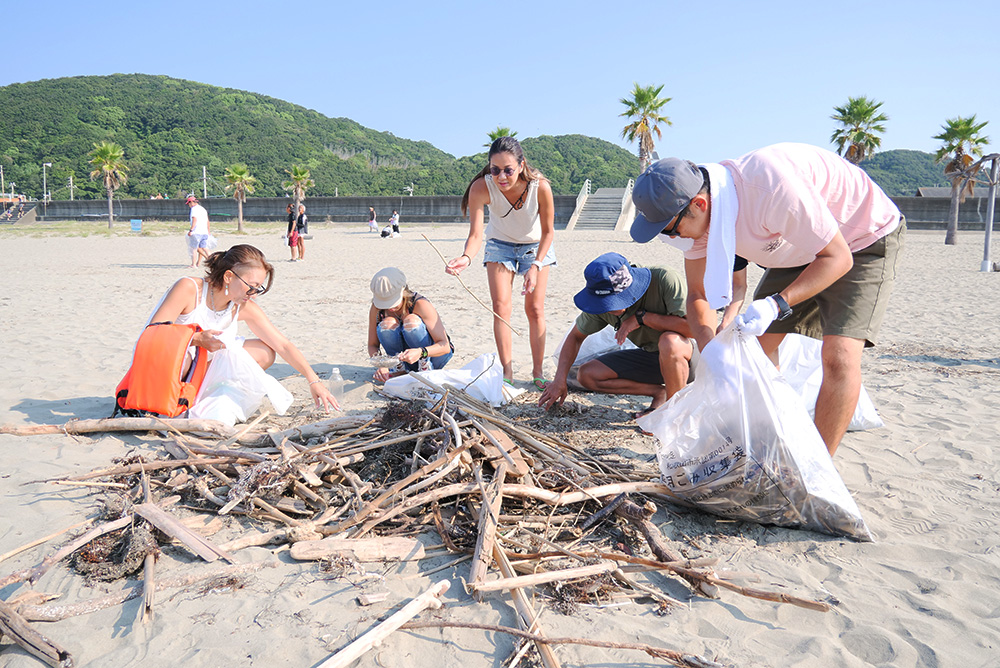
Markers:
point(169, 128)
point(901, 172)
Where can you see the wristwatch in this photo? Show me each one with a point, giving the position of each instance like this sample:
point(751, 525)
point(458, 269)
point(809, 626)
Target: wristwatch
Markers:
point(639, 315)
point(784, 310)
point(423, 353)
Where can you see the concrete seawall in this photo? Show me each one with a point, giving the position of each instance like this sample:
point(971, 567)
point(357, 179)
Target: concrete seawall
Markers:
point(412, 210)
point(920, 212)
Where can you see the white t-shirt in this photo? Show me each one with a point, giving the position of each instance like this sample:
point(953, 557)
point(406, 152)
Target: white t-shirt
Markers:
point(199, 220)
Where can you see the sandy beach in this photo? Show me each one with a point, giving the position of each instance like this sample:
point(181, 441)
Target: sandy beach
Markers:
point(925, 593)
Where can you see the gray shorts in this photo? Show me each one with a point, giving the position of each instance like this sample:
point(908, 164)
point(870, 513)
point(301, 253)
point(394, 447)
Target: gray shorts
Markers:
point(641, 365)
point(854, 305)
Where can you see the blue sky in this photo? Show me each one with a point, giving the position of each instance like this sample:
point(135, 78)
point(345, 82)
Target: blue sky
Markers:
point(741, 75)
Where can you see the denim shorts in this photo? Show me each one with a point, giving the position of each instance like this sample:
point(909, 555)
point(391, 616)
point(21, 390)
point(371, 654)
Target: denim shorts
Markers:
point(200, 241)
point(515, 257)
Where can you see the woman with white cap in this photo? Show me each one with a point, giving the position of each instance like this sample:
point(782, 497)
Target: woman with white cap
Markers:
point(405, 325)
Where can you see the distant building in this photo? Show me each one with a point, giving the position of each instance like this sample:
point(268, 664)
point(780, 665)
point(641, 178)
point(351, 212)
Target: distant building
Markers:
point(946, 192)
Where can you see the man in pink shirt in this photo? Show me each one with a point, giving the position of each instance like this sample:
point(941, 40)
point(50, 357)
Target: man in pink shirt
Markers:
point(827, 234)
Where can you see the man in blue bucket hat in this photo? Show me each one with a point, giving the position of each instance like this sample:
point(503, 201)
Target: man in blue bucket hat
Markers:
point(645, 306)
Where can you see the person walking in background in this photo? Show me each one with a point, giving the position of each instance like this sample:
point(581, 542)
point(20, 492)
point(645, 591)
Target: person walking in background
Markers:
point(198, 233)
point(406, 325)
point(372, 225)
point(518, 242)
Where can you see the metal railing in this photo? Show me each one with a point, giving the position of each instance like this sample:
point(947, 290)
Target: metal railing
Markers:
point(627, 208)
point(628, 193)
point(584, 194)
point(581, 199)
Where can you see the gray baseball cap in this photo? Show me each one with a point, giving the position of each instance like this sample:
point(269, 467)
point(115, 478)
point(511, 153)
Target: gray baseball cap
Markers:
point(660, 193)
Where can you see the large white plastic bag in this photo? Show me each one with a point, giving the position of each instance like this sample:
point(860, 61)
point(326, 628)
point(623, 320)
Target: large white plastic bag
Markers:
point(235, 386)
point(737, 442)
point(802, 366)
point(592, 347)
point(482, 378)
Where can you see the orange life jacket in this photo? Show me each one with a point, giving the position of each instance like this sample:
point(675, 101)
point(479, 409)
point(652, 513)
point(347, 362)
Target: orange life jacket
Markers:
point(154, 383)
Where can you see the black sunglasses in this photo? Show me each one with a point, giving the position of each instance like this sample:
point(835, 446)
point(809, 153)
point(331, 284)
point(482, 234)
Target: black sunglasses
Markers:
point(509, 171)
point(671, 230)
point(253, 290)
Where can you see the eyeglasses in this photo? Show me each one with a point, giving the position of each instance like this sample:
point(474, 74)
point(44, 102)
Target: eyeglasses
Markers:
point(253, 290)
point(509, 171)
point(671, 230)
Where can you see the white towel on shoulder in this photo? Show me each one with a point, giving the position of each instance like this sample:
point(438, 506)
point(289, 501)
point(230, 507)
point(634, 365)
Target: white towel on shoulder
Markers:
point(721, 237)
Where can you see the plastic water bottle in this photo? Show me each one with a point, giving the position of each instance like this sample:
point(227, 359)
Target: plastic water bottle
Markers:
point(336, 385)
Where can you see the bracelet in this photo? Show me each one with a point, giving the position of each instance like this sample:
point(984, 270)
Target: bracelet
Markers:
point(466, 257)
point(423, 353)
point(315, 381)
point(537, 263)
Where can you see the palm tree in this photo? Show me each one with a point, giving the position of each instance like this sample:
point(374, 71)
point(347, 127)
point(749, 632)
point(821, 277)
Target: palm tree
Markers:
point(644, 109)
point(961, 141)
point(499, 132)
point(242, 184)
point(108, 160)
point(298, 183)
point(861, 123)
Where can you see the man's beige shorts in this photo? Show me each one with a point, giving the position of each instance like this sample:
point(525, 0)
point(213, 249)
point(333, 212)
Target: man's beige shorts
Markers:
point(856, 302)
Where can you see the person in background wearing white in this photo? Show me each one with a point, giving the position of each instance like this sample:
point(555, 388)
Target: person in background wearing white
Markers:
point(200, 229)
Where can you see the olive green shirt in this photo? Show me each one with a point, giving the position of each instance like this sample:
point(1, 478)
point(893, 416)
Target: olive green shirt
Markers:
point(666, 295)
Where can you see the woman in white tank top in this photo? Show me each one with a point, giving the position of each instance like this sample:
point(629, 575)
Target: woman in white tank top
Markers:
point(226, 296)
point(518, 242)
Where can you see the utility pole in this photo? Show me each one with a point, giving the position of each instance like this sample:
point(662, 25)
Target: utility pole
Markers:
point(70, 187)
point(2, 186)
point(204, 183)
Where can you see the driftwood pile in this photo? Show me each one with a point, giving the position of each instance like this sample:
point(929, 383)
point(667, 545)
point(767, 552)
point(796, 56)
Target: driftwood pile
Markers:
point(526, 510)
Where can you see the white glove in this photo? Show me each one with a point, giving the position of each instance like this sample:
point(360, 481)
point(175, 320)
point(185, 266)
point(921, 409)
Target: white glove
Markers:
point(758, 316)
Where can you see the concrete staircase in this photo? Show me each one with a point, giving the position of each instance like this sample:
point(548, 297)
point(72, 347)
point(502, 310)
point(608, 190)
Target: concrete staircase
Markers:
point(25, 215)
point(601, 210)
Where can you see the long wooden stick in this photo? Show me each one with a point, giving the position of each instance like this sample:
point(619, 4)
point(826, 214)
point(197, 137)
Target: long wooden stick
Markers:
point(213, 427)
point(681, 659)
point(34, 543)
point(545, 577)
point(429, 599)
point(526, 614)
point(488, 520)
point(33, 574)
point(445, 260)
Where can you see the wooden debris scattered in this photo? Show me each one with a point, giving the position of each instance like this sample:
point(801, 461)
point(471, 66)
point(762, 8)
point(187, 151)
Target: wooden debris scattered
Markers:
point(541, 520)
